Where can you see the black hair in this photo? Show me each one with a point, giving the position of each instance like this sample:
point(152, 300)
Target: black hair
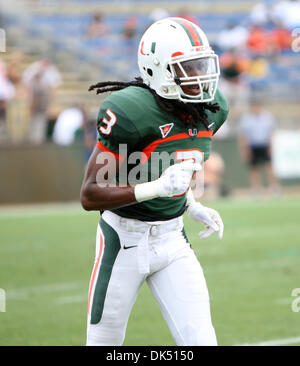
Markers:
point(191, 113)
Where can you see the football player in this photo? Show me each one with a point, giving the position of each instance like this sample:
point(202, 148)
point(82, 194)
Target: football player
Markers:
point(173, 108)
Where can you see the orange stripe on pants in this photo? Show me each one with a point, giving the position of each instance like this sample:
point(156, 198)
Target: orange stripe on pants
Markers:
point(95, 270)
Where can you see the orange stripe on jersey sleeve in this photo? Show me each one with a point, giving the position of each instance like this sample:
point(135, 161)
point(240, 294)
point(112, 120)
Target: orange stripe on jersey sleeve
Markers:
point(106, 149)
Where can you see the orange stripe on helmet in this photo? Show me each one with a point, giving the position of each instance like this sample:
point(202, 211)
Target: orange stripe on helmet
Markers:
point(191, 31)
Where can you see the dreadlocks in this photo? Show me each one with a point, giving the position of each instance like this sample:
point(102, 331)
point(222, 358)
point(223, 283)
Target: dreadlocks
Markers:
point(191, 113)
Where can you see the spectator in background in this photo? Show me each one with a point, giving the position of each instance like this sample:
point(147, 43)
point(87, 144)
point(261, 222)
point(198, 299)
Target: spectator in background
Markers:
point(68, 124)
point(268, 43)
point(129, 43)
point(260, 14)
point(255, 137)
point(280, 39)
point(14, 68)
point(130, 28)
point(40, 79)
point(158, 14)
point(212, 178)
point(258, 71)
point(14, 74)
point(214, 169)
point(53, 114)
point(257, 42)
point(155, 15)
point(97, 28)
point(7, 93)
point(234, 36)
point(234, 65)
point(287, 13)
point(90, 135)
point(17, 108)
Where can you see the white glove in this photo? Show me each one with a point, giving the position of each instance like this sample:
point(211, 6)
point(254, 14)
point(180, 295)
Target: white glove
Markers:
point(174, 181)
point(207, 216)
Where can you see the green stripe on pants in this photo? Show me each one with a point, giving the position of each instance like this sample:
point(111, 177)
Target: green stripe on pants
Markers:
point(111, 250)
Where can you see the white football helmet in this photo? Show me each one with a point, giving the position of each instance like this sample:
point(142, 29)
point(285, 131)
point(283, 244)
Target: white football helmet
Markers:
point(175, 59)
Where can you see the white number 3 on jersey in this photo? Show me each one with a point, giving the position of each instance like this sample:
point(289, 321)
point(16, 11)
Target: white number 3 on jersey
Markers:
point(109, 122)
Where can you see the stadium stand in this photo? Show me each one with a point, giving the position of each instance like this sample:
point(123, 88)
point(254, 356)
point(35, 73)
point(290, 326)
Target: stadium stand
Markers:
point(59, 28)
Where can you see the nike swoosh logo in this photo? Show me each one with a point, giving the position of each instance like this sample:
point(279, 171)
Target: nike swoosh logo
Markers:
point(131, 246)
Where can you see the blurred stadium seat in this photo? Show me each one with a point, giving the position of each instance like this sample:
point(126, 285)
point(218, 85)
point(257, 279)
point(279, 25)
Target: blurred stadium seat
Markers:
point(64, 28)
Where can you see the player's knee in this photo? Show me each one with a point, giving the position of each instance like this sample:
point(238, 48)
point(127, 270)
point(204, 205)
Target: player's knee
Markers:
point(199, 334)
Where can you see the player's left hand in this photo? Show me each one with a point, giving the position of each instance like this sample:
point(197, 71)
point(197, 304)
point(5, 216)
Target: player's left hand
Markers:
point(209, 217)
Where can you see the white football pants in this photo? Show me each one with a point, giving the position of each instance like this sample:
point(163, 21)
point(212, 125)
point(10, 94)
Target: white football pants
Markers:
point(128, 252)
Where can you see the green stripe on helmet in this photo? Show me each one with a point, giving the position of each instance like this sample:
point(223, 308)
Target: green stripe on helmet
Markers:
point(188, 31)
point(153, 46)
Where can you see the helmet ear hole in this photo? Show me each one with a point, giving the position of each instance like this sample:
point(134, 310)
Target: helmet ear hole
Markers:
point(150, 72)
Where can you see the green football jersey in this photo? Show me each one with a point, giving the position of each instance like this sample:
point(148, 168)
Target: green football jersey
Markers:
point(146, 140)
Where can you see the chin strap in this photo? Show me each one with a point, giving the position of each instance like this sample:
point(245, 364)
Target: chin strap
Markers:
point(177, 80)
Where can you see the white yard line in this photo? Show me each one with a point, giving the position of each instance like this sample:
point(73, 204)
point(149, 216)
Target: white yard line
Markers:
point(209, 251)
point(284, 301)
point(25, 292)
point(247, 266)
point(43, 210)
point(63, 300)
point(46, 213)
point(275, 342)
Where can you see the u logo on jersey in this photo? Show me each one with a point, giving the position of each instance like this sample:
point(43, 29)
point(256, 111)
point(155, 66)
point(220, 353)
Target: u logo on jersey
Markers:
point(165, 129)
point(192, 131)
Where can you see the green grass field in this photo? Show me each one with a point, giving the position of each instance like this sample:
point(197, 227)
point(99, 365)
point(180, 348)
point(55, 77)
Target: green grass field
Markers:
point(47, 253)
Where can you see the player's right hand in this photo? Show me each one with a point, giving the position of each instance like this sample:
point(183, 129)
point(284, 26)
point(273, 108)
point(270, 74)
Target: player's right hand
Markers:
point(176, 179)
